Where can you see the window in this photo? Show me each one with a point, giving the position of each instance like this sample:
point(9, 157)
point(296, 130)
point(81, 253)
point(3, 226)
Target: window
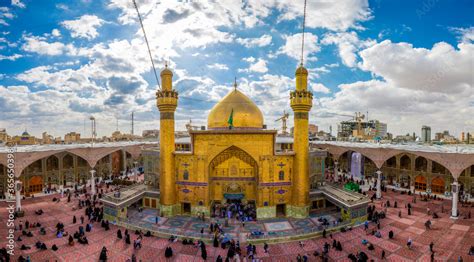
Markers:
point(186, 175)
point(281, 175)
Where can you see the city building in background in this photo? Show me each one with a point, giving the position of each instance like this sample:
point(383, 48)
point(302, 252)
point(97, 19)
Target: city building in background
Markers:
point(3, 135)
point(72, 137)
point(426, 134)
point(153, 133)
point(357, 129)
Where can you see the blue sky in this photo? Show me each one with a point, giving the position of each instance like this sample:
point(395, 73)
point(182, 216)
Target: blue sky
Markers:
point(409, 63)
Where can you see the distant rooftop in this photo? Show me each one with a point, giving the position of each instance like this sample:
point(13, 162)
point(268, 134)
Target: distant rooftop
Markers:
point(452, 148)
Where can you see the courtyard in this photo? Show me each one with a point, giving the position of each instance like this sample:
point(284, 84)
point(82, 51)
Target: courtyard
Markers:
point(451, 238)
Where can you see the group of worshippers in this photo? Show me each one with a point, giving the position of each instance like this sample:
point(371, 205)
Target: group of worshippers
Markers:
point(237, 210)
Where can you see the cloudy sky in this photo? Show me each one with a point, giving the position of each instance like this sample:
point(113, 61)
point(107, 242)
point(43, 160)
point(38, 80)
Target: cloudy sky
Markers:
point(409, 63)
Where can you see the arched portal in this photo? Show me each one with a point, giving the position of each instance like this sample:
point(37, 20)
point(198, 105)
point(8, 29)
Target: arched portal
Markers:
point(420, 183)
point(437, 185)
point(52, 163)
point(421, 164)
point(230, 171)
point(405, 162)
point(35, 184)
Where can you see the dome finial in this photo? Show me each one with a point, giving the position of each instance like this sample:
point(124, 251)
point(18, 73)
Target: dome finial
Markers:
point(235, 84)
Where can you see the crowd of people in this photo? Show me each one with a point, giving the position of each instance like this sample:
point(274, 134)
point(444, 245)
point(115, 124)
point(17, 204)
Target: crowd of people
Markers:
point(93, 215)
point(235, 209)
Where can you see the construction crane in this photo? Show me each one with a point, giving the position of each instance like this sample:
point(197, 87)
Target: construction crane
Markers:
point(358, 118)
point(189, 126)
point(283, 121)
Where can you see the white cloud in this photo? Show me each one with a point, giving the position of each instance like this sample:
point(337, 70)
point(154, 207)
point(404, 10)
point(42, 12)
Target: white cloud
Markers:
point(320, 88)
point(404, 110)
point(348, 44)
point(218, 66)
point(55, 33)
point(264, 40)
point(292, 47)
point(5, 15)
point(10, 57)
point(466, 35)
point(36, 44)
point(250, 59)
point(84, 27)
point(332, 15)
point(257, 66)
point(18, 3)
point(439, 69)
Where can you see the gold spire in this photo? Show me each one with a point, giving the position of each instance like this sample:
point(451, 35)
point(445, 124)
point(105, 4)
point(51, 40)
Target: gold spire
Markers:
point(166, 78)
point(235, 84)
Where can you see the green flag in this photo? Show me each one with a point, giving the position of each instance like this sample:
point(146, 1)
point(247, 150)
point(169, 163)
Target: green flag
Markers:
point(231, 119)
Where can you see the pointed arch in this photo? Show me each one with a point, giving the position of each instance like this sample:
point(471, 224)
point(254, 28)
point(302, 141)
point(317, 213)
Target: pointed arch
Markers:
point(421, 164)
point(405, 162)
point(231, 152)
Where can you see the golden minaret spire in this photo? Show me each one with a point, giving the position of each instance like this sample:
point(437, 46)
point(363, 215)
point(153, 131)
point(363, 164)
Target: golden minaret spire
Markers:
point(301, 101)
point(167, 101)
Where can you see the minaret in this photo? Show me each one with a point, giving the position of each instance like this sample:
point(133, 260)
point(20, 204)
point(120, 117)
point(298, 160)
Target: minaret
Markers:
point(301, 101)
point(167, 101)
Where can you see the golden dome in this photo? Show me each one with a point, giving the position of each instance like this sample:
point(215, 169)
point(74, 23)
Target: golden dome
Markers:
point(301, 70)
point(246, 114)
point(166, 71)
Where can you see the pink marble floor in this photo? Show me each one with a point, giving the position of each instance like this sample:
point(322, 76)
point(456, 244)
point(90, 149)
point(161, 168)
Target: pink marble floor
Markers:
point(451, 238)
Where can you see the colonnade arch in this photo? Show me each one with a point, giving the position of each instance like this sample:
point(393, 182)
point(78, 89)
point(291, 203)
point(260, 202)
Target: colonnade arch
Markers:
point(415, 172)
point(66, 169)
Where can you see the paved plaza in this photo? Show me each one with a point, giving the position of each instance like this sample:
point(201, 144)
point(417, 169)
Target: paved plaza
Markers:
point(452, 238)
point(191, 226)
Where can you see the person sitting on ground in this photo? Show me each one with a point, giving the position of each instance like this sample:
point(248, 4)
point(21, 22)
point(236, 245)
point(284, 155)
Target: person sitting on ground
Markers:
point(23, 247)
point(370, 246)
point(378, 234)
point(435, 215)
point(30, 234)
point(168, 252)
point(364, 241)
point(352, 257)
point(43, 246)
point(148, 233)
point(71, 241)
point(83, 240)
point(119, 234)
point(428, 224)
point(54, 247)
point(88, 227)
point(19, 239)
point(409, 243)
point(471, 251)
point(390, 234)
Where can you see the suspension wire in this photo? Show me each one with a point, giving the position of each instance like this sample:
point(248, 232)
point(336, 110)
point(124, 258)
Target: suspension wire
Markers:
point(148, 45)
point(302, 39)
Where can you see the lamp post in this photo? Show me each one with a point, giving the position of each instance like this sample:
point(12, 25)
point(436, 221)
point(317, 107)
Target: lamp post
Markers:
point(93, 129)
point(18, 187)
point(379, 184)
